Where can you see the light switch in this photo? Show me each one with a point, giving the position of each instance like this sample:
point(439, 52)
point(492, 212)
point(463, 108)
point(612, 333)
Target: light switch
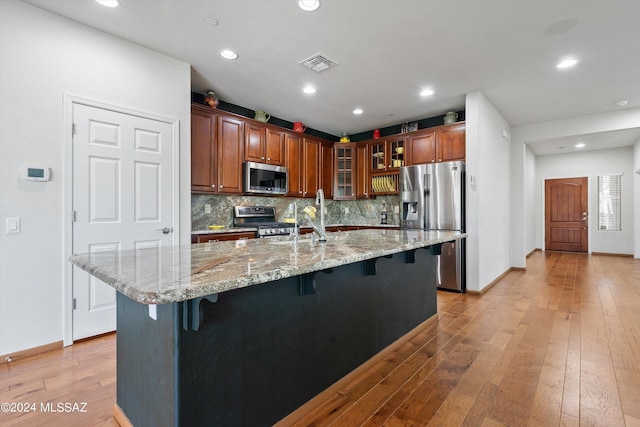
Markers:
point(207, 208)
point(13, 225)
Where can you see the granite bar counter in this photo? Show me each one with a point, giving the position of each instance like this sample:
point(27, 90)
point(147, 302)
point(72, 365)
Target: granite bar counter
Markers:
point(247, 331)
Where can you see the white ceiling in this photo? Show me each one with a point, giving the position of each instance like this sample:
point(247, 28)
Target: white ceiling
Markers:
point(592, 141)
point(387, 51)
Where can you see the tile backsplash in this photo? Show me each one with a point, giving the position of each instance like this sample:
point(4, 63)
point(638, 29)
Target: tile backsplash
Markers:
point(344, 212)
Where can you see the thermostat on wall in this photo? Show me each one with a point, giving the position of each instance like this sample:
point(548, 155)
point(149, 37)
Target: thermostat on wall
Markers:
point(37, 173)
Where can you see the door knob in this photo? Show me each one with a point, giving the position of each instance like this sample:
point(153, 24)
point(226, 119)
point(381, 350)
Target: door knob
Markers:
point(165, 230)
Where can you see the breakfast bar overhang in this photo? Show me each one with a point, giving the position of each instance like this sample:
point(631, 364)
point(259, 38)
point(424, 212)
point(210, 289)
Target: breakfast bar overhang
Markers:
point(242, 333)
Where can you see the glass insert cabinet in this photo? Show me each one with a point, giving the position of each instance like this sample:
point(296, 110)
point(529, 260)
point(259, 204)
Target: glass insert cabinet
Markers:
point(387, 155)
point(345, 170)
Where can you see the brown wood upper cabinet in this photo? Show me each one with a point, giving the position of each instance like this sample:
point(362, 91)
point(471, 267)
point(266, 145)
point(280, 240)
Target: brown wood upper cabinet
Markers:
point(345, 165)
point(326, 169)
point(362, 169)
point(216, 152)
point(351, 171)
point(451, 142)
point(229, 155)
point(203, 150)
point(303, 161)
point(293, 162)
point(263, 144)
point(387, 154)
point(311, 166)
point(439, 144)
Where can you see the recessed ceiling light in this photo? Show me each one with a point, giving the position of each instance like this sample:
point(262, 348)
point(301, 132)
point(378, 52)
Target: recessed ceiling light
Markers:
point(426, 92)
point(358, 111)
point(109, 3)
point(622, 103)
point(309, 89)
point(580, 145)
point(566, 63)
point(228, 54)
point(309, 5)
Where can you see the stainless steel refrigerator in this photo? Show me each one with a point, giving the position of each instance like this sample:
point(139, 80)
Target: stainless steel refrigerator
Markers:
point(432, 198)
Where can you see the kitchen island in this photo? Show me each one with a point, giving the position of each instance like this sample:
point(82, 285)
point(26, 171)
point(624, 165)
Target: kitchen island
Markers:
point(244, 332)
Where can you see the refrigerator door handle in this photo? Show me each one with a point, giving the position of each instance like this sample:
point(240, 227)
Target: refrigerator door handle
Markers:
point(427, 190)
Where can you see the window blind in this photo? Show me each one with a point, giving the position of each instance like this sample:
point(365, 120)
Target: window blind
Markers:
point(610, 202)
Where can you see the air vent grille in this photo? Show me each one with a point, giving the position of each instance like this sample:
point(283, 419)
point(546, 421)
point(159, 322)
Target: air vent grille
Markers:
point(318, 62)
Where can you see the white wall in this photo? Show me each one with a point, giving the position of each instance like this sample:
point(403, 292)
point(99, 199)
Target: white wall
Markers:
point(591, 164)
point(530, 211)
point(523, 178)
point(636, 188)
point(43, 57)
point(488, 202)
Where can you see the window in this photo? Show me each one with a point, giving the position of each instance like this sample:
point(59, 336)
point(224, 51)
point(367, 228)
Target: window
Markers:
point(610, 202)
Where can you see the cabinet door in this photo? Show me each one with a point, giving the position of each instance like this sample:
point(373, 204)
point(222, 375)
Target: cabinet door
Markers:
point(326, 169)
point(451, 143)
point(254, 143)
point(274, 150)
point(293, 162)
point(203, 153)
point(229, 161)
point(377, 151)
point(345, 164)
point(395, 153)
point(422, 149)
point(362, 171)
point(311, 167)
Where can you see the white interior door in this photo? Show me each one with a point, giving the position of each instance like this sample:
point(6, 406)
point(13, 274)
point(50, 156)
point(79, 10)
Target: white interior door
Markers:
point(122, 199)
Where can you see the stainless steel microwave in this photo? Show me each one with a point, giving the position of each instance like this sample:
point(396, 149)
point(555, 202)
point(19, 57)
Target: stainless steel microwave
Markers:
point(260, 178)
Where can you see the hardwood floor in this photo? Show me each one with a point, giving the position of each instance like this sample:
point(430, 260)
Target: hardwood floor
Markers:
point(82, 373)
point(555, 345)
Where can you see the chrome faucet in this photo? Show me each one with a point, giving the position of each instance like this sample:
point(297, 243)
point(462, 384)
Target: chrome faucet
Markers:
point(321, 231)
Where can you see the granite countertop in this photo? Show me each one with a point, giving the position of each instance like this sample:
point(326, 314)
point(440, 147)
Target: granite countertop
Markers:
point(178, 273)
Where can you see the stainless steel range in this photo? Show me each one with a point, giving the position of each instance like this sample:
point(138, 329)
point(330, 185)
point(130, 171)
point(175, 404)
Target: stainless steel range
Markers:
point(263, 218)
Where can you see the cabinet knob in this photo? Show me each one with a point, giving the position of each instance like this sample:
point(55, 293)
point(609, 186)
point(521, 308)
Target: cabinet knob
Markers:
point(439, 160)
point(221, 186)
point(262, 158)
point(213, 186)
point(268, 158)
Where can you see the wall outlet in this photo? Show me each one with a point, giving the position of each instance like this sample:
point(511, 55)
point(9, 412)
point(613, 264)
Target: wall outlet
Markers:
point(207, 208)
point(396, 209)
point(13, 225)
point(346, 210)
point(153, 311)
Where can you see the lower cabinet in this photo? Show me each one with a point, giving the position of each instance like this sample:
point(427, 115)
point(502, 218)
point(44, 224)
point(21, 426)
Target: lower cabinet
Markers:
point(220, 237)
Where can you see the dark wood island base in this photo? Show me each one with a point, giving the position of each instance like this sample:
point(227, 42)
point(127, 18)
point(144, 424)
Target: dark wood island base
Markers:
point(251, 356)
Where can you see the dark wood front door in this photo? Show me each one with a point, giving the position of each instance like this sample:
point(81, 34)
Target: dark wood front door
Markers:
point(566, 214)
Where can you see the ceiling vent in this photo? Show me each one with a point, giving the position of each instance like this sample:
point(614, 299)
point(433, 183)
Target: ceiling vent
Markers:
point(318, 62)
